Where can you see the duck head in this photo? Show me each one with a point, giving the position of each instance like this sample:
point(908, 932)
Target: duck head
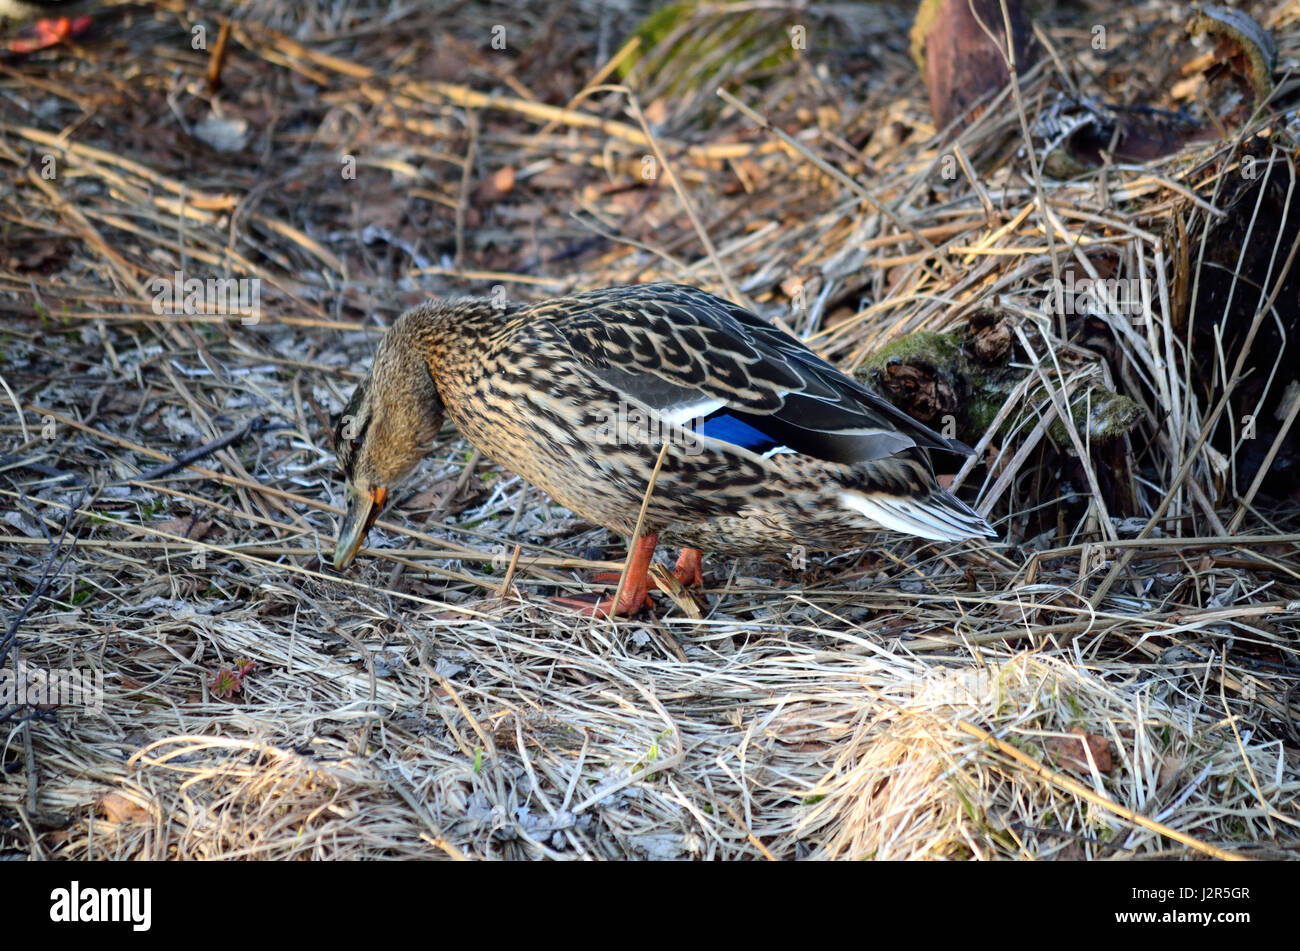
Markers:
point(382, 433)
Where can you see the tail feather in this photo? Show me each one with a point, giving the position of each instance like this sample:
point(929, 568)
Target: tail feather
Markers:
point(940, 516)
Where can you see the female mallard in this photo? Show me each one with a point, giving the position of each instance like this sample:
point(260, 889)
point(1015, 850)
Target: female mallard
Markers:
point(769, 446)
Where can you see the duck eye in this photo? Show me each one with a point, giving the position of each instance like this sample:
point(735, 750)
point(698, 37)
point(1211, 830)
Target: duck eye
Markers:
point(356, 443)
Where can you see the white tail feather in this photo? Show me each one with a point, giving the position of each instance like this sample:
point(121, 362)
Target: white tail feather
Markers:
point(945, 519)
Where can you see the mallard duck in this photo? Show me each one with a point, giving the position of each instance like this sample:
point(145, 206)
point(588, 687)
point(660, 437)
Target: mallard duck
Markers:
point(53, 23)
point(769, 446)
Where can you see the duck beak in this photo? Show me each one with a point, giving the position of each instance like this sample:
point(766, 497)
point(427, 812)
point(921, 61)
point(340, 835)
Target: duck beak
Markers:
point(363, 509)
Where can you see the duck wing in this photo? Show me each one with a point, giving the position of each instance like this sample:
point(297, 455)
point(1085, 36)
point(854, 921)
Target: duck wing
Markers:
point(699, 360)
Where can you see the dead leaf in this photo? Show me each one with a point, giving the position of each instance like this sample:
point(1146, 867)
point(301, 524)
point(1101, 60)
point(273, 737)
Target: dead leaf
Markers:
point(497, 185)
point(1170, 768)
point(564, 177)
point(115, 807)
point(1067, 752)
point(186, 528)
point(430, 497)
point(449, 63)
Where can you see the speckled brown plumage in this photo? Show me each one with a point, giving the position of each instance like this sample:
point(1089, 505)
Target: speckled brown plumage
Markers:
point(769, 446)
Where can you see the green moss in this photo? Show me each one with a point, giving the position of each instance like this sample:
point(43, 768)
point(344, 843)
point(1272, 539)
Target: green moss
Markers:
point(983, 408)
point(656, 28)
point(925, 347)
point(926, 14)
point(715, 38)
point(943, 355)
point(981, 390)
point(1098, 415)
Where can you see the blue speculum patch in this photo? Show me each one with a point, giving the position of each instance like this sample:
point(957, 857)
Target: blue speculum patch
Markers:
point(726, 428)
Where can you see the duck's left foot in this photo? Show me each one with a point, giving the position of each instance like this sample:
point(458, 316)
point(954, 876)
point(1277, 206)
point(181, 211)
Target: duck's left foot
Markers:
point(633, 602)
point(51, 31)
point(636, 589)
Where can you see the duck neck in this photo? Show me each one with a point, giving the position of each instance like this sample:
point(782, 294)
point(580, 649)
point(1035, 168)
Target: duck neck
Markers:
point(455, 337)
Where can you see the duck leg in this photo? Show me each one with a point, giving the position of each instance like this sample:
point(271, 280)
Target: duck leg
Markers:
point(48, 32)
point(636, 592)
point(635, 596)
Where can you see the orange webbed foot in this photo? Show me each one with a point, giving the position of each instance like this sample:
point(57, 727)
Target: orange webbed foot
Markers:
point(51, 31)
point(635, 596)
point(630, 604)
point(690, 567)
point(636, 590)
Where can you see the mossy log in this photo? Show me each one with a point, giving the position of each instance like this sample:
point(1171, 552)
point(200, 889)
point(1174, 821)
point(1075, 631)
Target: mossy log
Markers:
point(957, 383)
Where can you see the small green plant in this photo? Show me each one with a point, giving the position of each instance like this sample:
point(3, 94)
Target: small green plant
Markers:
point(651, 755)
point(226, 682)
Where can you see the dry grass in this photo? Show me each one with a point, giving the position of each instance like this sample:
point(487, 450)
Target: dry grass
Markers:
point(908, 701)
